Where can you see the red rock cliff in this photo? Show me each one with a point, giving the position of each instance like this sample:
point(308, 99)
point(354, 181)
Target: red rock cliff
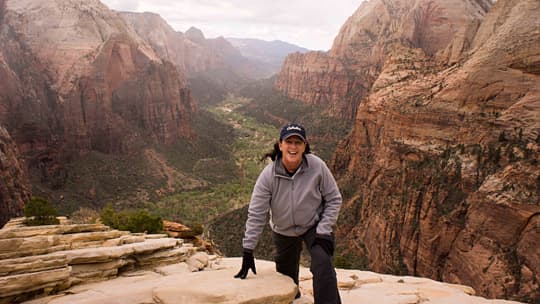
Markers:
point(14, 185)
point(441, 168)
point(339, 79)
point(81, 79)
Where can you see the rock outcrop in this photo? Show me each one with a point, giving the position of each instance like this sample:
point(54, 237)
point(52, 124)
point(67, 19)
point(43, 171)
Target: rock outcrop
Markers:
point(91, 263)
point(80, 79)
point(339, 79)
point(441, 167)
point(176, 284)
point(38, 260)
point(15, 187)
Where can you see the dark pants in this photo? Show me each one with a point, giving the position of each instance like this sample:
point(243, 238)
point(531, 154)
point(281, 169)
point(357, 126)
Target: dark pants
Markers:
point(287, 260)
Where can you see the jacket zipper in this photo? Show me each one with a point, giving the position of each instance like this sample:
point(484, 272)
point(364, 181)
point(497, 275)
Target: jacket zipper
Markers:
point(292, 201)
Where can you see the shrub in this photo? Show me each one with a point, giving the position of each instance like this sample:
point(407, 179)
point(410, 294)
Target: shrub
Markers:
point(351, 261)
point(40, 212)
point(197, 228)
point(131, 220)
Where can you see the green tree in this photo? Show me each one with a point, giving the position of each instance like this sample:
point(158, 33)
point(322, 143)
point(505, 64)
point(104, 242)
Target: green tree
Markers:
point(131, 220)
point(39, 211)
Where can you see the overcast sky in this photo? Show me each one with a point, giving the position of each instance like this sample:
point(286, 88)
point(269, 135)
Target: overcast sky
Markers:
point(312, 24)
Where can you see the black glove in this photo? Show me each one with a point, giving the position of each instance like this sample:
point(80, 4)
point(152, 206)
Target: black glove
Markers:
point(326, 242)
point(248, 262)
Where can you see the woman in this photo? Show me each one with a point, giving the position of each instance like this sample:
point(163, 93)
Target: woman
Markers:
point(299, 192)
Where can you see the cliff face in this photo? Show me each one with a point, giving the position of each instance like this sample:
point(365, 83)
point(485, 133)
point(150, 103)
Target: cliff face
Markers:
point(339, 79)
point(79, 79)
point(174, 46)
point(14, 188)
point(191, 52)
point(441, 168)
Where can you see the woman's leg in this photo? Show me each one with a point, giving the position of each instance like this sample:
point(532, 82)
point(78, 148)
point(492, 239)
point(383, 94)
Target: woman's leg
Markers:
point(325, 289)
point(287, 256)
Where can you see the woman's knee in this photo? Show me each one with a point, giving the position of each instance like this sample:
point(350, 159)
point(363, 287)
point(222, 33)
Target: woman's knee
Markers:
point(320, 259)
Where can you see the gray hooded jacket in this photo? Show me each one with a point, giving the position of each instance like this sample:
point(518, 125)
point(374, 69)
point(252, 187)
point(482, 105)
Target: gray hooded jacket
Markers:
point(310, 197)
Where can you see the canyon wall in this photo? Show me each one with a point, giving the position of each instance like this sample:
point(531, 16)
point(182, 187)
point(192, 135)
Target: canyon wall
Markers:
point(14, 185)
point(440, 170)
point(77, 78)
point(339, 79)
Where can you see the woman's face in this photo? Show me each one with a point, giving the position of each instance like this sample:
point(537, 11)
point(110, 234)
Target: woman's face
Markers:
point(292, 148)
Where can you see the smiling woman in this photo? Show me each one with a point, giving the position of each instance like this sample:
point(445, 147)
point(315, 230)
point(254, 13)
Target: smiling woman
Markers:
point(295, 21)
point(299, 193)
point(292, 144)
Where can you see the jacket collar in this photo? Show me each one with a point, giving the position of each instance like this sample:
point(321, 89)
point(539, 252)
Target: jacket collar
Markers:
point(279, 169)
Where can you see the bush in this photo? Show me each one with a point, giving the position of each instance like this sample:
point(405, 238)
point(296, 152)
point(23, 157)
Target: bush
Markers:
point(131, 220)
point(39, 211)
point(350, 261)
point(197, 228)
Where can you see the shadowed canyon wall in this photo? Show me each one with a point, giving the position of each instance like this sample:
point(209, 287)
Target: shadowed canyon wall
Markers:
point(14, 185)
point(77, 78)
point(440, 170)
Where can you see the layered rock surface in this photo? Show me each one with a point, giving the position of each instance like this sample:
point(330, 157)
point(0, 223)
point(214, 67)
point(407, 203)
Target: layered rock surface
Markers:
point(91, 263)
point(14, 188)
point(176, 284)
point(37, 260)
point(441, 168)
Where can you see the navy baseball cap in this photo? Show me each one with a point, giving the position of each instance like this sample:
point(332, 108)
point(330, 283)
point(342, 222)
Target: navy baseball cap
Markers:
point(291, 129)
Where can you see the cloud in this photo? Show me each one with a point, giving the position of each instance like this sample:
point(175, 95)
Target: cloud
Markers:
point(123, 5)
point(307, 23)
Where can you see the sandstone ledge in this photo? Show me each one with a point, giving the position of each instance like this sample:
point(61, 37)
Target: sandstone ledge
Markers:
point(43, 260)
point(177, 284)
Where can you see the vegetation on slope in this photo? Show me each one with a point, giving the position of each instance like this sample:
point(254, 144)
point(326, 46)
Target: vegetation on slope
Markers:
point(204, 181)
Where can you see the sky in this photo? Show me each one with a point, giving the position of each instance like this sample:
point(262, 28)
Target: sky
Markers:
point(312, 24)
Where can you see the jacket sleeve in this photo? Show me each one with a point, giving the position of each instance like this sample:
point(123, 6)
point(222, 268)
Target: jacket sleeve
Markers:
point(332, 202)
point(258, 208)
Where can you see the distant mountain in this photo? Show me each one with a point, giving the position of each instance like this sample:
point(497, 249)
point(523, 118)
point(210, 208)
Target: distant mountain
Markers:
point(212, 66)
point(269, 53)
point(191, 52)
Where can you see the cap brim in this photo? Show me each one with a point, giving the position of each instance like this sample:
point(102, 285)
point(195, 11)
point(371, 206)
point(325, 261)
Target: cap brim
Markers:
point(293, 134)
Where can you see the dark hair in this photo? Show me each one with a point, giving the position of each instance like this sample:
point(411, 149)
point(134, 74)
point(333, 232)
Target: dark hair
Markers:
point(274, 154)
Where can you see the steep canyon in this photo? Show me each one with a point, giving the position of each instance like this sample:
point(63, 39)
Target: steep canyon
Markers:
point(440, 170)
point(76, 78)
